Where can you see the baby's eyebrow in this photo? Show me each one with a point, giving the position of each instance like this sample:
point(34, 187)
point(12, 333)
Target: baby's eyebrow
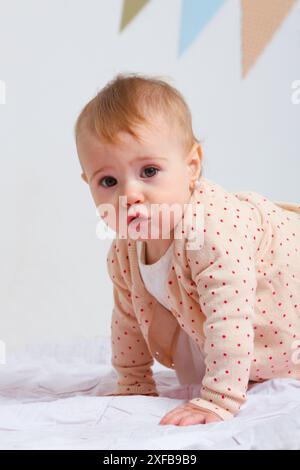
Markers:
point(142, 158)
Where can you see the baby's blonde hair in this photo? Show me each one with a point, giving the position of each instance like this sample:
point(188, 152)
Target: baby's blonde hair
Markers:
point(129, 100)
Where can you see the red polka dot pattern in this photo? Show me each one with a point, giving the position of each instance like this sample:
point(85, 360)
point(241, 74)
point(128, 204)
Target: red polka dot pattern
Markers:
point(237, 296)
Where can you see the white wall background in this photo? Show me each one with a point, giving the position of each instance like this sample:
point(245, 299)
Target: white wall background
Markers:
point(54, 56)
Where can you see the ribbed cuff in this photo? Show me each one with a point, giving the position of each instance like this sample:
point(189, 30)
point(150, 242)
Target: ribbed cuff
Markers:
point(207, 405)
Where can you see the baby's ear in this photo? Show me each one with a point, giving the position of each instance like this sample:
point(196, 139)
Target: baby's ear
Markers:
point(84, 177)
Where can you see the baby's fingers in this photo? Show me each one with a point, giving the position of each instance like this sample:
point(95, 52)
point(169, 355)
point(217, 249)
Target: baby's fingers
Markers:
point(212, 419)
point(173, 417)
point(171, 414)
point(192, 419)
point(183, 418)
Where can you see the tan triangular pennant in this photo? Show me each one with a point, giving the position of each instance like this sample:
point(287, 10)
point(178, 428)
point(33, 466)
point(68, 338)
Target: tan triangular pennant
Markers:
point(260, 20)
point(130, 9)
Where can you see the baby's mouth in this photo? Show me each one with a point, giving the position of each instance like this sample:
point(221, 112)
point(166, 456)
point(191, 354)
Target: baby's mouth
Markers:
point(135, 217)
point(137, 220)
point(130, 218)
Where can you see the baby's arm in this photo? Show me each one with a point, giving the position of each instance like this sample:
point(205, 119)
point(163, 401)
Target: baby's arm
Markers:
point(224, 273)
point(130, 354)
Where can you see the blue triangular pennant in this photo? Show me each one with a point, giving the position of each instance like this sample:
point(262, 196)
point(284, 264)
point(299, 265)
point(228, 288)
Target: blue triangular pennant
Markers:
point(195, 15)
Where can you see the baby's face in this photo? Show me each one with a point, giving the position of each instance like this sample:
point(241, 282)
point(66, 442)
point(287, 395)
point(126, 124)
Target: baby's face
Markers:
point(151, 172)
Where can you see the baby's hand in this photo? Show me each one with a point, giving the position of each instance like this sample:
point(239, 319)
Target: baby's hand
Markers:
point(188, 413)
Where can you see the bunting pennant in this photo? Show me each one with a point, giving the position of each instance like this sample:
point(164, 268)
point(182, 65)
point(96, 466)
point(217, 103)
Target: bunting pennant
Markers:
point(195, 15)
point(131, 8)
point(260, 21)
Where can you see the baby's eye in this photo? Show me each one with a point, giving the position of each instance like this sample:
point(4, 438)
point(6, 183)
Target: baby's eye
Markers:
point(109, 178)
point(151, 168)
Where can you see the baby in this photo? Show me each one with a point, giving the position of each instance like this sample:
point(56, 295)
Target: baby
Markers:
point(214, 293)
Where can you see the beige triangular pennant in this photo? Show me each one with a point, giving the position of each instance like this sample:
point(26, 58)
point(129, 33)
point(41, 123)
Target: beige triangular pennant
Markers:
point(130, 9)
point(260, 20)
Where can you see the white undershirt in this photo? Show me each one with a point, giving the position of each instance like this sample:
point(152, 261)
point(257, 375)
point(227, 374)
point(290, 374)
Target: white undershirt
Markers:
point(188, 359)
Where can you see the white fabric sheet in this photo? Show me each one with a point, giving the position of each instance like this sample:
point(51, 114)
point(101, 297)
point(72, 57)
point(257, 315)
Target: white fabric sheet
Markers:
point(50, 398)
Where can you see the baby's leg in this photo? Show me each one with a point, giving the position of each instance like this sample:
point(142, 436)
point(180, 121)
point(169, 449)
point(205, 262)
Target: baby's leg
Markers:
point(188, 360)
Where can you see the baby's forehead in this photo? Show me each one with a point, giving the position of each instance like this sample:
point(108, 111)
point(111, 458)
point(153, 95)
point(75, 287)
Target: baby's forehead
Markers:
point(154, 136)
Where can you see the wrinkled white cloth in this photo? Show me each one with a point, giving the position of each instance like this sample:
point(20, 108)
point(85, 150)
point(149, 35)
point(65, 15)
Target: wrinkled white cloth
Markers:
point(50, 398)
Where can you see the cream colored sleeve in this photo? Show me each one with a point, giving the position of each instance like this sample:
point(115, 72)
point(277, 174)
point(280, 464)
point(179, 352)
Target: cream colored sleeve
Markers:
point(224, 273)
point(130, 354)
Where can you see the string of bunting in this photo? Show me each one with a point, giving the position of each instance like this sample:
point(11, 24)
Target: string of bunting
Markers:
point(260, 19)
